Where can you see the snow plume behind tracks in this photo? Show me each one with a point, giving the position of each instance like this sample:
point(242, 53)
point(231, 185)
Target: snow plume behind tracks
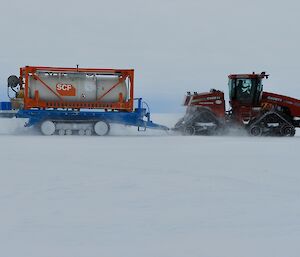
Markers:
point(14, 126)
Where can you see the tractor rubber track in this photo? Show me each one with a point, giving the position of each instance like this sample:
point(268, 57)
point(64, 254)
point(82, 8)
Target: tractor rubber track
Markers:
point(272, 123)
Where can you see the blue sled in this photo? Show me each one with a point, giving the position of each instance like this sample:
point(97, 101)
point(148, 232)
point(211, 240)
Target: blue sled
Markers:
point(135, 118)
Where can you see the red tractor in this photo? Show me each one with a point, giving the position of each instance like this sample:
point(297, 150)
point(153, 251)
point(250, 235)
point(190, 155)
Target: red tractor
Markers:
point(259, 112)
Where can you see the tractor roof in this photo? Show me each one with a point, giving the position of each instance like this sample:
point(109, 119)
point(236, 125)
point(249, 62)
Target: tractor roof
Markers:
point(249, 76)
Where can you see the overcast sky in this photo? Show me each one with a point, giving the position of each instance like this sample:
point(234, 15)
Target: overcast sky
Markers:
point(174, 46)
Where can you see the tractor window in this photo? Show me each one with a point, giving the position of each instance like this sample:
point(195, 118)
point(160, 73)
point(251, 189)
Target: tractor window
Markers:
point(245, 90)
point(244, 86)
point(258, 92)
point(231, 85)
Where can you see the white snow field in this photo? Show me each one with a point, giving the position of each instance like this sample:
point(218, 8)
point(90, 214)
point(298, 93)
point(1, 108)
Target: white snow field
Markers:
point(152, 195)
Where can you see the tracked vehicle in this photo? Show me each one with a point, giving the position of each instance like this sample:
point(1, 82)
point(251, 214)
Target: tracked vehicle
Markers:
point(260, 113)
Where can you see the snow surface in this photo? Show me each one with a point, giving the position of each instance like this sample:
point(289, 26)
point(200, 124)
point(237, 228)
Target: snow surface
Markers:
point(152, 195)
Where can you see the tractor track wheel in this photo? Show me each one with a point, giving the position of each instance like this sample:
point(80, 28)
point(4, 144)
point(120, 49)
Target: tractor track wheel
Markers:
point(255, 131)
point(189, 131)
point(288, 131)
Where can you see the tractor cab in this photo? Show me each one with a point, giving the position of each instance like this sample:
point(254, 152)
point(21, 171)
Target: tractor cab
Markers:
point(245, 89)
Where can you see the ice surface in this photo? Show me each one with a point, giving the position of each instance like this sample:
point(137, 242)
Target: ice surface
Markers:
point(148, 195)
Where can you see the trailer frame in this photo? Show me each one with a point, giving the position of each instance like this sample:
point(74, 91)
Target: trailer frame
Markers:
point(135, 118)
